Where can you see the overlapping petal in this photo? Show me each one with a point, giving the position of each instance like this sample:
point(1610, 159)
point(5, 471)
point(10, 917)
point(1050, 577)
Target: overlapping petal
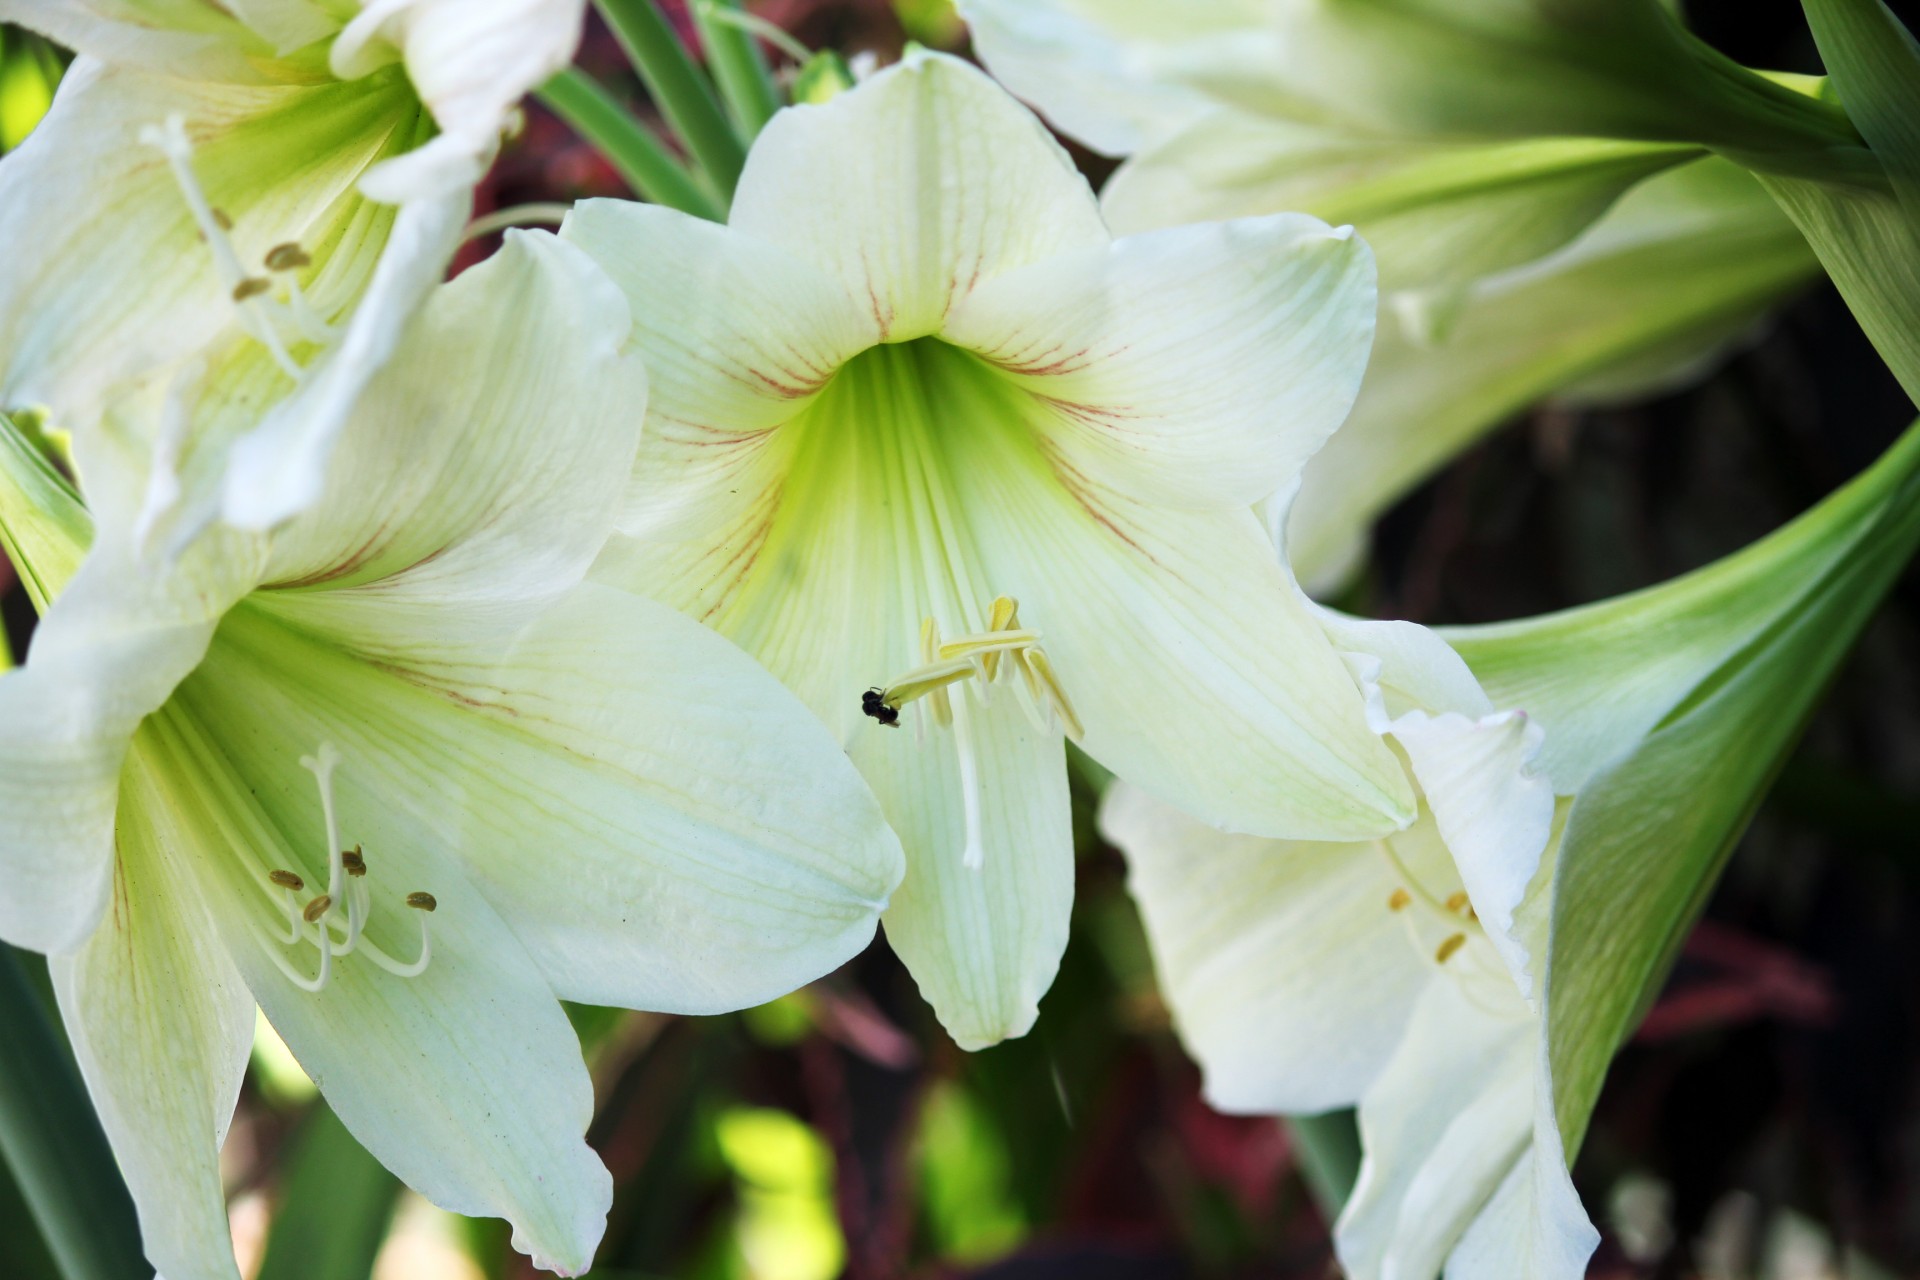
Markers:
point(1199, 366)
point(914, 190)
point(161, 1024)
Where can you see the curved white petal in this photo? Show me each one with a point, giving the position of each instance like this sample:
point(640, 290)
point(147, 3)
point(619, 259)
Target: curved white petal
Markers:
point(984, 942)
point(1460, 1108)
point(161, 1024)
point(1288, 974)
point(1110, 74)
point(466, 1080)
point(913, 188)
point(1199, 366)
point(471, 61)
point(279, 468)
point(1474, 766)
point(661, 823)
point(120, 287)
point(485, 463)
point(766, 335)
point(123, 634)
point(201, 41)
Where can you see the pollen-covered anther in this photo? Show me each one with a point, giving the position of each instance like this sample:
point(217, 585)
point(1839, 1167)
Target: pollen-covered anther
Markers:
point(1452, 943)
point(353, 861)
point(287, 880)
point(288, 256)
point(987, 656)
point(420, 900)
point(317, 909)
point(1457, 901)
point(1399, 900)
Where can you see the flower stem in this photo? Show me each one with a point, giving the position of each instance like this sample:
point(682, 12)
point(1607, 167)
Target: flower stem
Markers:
point(734, 57)
point(642, 159)
point(1328, 1147)
point(53, 1143)
point(683, 95)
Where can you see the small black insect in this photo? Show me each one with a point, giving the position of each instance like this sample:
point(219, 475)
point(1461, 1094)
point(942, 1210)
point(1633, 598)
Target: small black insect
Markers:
point(873, 703)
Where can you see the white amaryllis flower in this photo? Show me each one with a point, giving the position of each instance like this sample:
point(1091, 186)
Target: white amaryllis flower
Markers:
point(1406, 974)
point(922, 427)
point(398, 775)
point(275, 181)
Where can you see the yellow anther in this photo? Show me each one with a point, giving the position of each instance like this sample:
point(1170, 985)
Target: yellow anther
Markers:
point(986, 655)
point(221, 220)
point(317, 908)
point(287, 257)
point(287, 880)
point(1456, 901)
point(251, 287)
point(422, 901)
point(1399, 900)
point(1446, 949)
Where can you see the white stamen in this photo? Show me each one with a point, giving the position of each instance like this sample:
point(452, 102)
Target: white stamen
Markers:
point(255, 316)
point(973, 853)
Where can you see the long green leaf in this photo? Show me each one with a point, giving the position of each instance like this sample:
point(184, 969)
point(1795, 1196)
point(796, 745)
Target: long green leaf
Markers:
point(683, 95)
point(739, 70)
point(53, 1143)
point(629, 146)
point(335, 1205)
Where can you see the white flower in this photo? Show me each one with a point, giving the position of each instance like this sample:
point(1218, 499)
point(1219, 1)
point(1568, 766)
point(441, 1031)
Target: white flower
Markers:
point(914, 381)
point(1406, 975)
point(395, 773)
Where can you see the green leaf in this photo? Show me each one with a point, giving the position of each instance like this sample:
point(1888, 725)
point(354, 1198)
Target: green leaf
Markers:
point(678, 88)
point(629, 146)
point(52, 1141)
point(335, 1204)
point(741, 73)
point(1673, 708)
point(1684, 265)
point(1869, 237)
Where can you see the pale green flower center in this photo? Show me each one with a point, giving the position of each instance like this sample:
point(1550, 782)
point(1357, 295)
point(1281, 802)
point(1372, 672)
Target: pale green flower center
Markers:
point(1441, 926)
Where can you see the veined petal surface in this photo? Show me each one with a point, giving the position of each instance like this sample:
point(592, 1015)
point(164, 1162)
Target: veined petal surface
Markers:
point(161, 1023)
point(1199, 366)
point(914, 190)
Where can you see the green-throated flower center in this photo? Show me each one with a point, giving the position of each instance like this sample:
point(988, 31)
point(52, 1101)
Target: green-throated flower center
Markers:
point(1446, 932)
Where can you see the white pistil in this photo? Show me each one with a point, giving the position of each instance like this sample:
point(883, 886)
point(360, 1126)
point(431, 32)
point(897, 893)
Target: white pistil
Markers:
point(346, 887)
point(258, 313)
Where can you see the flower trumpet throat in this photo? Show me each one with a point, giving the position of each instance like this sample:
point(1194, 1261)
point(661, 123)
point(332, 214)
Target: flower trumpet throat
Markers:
point(996, 654)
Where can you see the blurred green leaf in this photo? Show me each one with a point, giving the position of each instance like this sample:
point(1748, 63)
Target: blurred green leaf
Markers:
point(336, 1202)
point(965, 1191)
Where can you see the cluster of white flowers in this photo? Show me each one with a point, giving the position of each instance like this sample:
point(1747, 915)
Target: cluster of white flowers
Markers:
point(662, 605)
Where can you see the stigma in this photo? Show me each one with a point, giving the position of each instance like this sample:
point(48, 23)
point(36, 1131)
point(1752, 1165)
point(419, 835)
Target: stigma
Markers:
point(333, 920)
point(271, 307)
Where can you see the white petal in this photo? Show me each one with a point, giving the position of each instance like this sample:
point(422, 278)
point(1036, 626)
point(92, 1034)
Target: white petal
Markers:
point(141, 33)
point(1199, 671)
point(1199, 366)
point(161, 1024)
point(661, 823)
point(1474, 766)
point(1111, 74)
point(119, 285)
point(486, 463)
point(982, 942)
point(1288, 975)
point(1441, 1128)
point(279, 469)
point(471, 63)
point(913, 188)
point(466, 1080)
point(119, 638)
point(737, 336)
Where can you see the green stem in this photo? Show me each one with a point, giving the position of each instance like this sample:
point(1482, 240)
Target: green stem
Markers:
point(336, 1206)
point(53, 1143)
point(642, 159)
point(679, 90)
point(1329, 1150)
point(733, 55)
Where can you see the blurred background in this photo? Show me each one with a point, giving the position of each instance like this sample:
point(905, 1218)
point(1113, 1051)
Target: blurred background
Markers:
point(1764, 1122)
